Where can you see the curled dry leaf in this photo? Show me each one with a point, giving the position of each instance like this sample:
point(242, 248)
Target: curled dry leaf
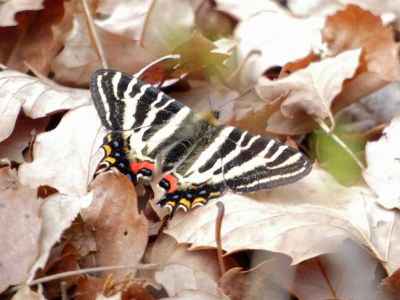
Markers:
point(354, 28)
point(8, 9)
point(64, 158)
point(284, 39)
point(20, 226)
point(181, 269)
point(308, 91)
point(121, 233)
point(36, 98)
point(303, 220)
point(383, 171)
point(58, 211)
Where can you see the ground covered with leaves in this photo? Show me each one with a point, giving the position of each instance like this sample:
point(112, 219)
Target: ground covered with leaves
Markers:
point(322, 76)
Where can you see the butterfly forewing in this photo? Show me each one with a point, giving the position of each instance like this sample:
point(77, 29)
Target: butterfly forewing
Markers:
point(201, 156)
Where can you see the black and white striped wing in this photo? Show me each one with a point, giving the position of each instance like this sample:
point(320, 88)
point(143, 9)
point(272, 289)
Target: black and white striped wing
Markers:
point(124, 102)
point(244, 162)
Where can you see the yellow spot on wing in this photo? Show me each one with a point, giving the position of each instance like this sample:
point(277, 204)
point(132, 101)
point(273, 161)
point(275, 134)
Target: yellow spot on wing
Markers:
point(107, 149)
point(110, 159)
point(199, 201)
point(185, 202)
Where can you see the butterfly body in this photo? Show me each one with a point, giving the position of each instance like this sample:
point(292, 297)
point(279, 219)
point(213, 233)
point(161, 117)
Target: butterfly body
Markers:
point(152, 133)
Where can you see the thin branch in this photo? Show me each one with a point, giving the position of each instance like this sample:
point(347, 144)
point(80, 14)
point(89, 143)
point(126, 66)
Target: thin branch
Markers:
point(218, 226)
point(94, 35)
point(89, 270)
point(342, 144)
point(40, 76)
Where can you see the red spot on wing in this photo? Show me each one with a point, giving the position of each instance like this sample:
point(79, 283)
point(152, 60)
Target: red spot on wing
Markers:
point(136, 166)
point(173, 183)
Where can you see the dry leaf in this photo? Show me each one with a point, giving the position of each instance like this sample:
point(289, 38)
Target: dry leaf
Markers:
point(355, 28)
point(310, 90)
point(20, 226)
point(327, 7)
point(40, 37)
point(78, 59)
point(121, 233)
point(303, 220)
point(37, 98)
point(25, 293)
point(64, 158)
point(383, 171)
point(120, 18)
point(183, 270)
point(284, 39)
point(255, 283)
point(24, 132)
point(243, 10)
point(9, 8)
point(58, 211)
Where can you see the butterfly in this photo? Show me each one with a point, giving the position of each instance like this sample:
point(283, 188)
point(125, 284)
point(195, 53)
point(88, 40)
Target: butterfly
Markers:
point(151, 133)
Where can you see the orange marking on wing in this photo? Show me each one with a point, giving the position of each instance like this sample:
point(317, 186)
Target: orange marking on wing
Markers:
point(173, 183)
point(136, 166)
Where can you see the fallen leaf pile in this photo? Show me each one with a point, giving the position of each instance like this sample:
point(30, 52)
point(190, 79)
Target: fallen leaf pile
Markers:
point(322, 76)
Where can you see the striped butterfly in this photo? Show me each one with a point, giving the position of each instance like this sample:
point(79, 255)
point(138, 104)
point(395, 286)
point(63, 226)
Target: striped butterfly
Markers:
point(151, 133)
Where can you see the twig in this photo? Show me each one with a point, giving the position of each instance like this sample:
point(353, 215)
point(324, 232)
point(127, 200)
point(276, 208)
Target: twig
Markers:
point(89, 270)
point(337, 139)
point(218, 226)
point(94, 35)
point(41, 77)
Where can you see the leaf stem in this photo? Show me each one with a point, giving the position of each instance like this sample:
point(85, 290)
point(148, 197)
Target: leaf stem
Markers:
point(339, 141)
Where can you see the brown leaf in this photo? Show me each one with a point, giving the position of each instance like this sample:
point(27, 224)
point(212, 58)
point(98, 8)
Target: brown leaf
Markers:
point(40, 38)
point(121, 233)
point(58, 212)
point(311, 90)
point(79, 59)
point(89, 287)
point(20, 226)
point(182, 269)
point(354, 28)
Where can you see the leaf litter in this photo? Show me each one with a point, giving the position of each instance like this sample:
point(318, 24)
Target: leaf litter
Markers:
point(265, 70)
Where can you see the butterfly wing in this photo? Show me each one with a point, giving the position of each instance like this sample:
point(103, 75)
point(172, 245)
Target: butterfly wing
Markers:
point(244, 162)
point(124, 102)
